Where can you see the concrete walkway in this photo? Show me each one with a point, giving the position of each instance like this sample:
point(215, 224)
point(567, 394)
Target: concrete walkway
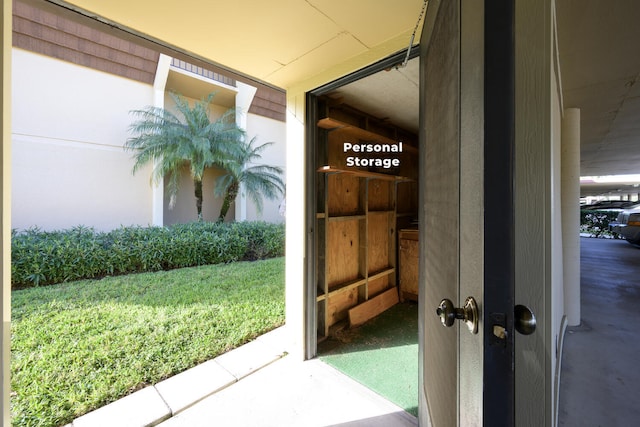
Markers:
point(600, 381)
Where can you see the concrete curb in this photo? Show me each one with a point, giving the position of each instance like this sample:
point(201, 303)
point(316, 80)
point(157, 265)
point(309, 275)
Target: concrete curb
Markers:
point(155, 404)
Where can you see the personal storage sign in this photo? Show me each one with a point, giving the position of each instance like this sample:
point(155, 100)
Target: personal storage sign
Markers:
point(367, 154)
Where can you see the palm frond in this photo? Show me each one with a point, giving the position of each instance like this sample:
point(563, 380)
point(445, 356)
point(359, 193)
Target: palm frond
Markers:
point(257, 180)
point(180, 137)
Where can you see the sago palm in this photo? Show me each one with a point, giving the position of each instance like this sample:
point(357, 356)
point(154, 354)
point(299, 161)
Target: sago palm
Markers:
point(258, 180)
point(187, 138)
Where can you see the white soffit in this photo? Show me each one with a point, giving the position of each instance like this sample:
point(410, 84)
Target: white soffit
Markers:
point(282, 42)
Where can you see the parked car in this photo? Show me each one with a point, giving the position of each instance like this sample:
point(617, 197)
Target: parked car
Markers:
point(606, 205)
point(627, 225)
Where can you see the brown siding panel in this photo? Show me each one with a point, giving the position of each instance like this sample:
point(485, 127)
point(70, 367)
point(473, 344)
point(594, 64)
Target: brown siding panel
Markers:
point(269, 103)
point(48, 34)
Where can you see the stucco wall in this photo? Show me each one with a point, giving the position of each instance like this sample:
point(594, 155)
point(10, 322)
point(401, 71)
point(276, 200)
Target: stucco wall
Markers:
point(268, 130)
point(69, 125)
point(185, 206)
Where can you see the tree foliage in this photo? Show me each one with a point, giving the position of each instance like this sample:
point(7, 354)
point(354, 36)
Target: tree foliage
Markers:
point(186, 138)
point(242, 173)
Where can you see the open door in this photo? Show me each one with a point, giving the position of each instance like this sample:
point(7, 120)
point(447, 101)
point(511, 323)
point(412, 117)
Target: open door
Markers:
point(467, 214)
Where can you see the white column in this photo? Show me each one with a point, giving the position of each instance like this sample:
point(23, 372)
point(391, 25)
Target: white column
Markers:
point(571, 213)
point(244, 98)
point(159, 84)
point(5, 218)
point(296, 303)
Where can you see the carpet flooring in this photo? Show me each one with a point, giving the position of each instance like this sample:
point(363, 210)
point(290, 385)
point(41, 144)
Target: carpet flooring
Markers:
point(382, 354)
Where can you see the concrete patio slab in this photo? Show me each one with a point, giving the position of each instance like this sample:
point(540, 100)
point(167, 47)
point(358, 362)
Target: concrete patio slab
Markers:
point(277, 340)
point(250, 357)
point(140, 409)
point(294, 393)
point(193, 385)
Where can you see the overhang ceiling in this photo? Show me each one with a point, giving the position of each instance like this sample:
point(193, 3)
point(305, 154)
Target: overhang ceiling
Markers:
point(282, 42)
point(285, 42)
point(599, 50)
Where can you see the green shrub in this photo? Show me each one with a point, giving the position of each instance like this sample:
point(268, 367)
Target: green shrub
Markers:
point(46, 257)
point(596, 222)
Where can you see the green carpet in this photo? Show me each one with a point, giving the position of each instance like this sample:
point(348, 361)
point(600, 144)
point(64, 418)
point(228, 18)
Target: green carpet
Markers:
point(382, 354)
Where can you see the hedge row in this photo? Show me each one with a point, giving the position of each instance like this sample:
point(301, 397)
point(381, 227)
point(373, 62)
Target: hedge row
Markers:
point(43, 257)
point(596, 222)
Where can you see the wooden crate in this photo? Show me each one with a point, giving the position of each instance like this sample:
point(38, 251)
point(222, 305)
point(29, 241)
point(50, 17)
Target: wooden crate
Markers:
point(408, 264)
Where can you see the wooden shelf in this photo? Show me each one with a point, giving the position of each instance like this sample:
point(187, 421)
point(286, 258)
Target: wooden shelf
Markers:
point(359, 133)
point(355, 243)
point(405, 214)
point(381, 212)
point(346, 218)
point(357, 225)
point(347, 286)
point(364, 174)
point(343, 287)
point(382, 273)
point(336, 218)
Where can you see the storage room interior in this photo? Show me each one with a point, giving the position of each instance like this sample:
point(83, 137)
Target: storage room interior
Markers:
point(365, 151)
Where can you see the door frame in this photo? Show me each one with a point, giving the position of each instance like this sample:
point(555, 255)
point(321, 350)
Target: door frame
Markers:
point(311, 182)
point(499, 210)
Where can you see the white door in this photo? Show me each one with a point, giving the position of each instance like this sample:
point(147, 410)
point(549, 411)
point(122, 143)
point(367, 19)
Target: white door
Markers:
point(467, 219)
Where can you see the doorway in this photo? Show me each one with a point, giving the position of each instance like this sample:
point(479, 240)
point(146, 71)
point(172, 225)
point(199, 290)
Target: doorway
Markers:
point(363, 188)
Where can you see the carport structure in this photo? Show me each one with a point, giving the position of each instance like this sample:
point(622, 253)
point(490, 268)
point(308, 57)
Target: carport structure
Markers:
point(504, 89)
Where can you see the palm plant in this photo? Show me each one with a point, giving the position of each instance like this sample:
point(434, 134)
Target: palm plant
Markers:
point(257, 179)
point(188, 138)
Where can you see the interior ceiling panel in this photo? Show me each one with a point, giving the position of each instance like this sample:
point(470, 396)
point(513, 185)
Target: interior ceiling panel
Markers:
point(390, 95)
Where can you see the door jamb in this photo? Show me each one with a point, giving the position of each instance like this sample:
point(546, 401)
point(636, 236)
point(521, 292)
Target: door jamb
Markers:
point(311, 118)
point(499, 217)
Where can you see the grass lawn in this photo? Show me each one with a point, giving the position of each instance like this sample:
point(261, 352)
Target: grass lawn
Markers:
point(78, 346)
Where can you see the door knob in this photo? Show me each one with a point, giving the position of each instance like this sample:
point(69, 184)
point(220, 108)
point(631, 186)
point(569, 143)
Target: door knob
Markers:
point(524, 320)
point(468, 314)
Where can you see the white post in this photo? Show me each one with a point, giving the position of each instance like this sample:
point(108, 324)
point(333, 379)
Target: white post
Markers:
point(159, 84)
point(5, 218)
point(244, 98)
point(571, 213)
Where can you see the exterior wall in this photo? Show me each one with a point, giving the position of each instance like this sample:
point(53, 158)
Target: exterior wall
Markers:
point(268, 130)
point(45, 32)
point(69, 127)
point(74, 89)
point(68, 130)
point(185, 207)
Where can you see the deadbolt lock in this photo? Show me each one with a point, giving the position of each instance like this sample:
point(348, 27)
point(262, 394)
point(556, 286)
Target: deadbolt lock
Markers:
point(468, 314)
